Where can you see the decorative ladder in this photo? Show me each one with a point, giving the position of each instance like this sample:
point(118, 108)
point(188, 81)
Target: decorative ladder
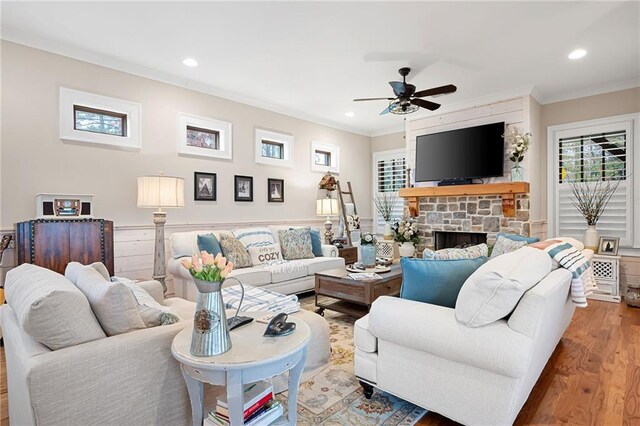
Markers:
point(342, 209)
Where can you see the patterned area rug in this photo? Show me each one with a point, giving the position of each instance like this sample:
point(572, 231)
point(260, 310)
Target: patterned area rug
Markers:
point(334, 396)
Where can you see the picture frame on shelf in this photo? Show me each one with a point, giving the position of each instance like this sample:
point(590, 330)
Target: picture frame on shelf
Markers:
point(608, 246)
point(275, 190)
point(205, 186)
point(242, 188)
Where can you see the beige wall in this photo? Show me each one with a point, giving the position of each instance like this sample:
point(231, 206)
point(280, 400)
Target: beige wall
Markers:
point(35, 160)
point(388, 142)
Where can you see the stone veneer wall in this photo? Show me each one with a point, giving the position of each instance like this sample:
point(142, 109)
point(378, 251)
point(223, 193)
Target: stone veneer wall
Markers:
point(470, 214)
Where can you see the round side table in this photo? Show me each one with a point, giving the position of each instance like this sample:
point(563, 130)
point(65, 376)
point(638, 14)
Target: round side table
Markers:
point(252, 357)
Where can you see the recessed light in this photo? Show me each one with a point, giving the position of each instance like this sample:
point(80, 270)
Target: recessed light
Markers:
point(190, 62)
point(349, 114)
point(577, 54)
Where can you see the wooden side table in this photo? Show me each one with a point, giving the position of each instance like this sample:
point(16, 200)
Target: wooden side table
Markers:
point(251, 358)
point(349, 254)
point(606, 272)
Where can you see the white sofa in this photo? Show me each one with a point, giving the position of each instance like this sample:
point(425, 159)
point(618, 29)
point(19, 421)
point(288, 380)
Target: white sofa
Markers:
point(480, 376)
point(126, 379)
point(298, 279)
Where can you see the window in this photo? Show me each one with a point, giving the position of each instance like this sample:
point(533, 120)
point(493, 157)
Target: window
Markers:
point(322, 158)
point(325, 157)
point(389, 175)
point(99, 121)
point(588, 152)
point(273, 148)
point(95, 119)
point(204, 137)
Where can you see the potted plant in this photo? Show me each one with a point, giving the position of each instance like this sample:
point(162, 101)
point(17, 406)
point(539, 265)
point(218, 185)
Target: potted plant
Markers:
point(385, 202)
point(368, 250)
point(405, 232)
point(518, 145)
point(591, 199)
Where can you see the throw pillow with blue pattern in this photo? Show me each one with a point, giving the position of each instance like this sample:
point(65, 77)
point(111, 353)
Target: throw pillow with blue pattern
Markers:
point(472, 252)
point(296, 243)
point(505, 245)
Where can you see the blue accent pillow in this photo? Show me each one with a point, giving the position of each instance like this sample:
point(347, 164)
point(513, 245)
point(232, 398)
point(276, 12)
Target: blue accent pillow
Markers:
point(518, 237)
point(437, 282)
point(209, 243)
point(316, 243)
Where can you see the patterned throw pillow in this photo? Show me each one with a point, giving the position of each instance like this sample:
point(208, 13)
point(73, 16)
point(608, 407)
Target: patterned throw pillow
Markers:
point(505, 245)
point(265, 255)
point(254, 237)
point(472, 252)
point(296, 243)
point(234, 251)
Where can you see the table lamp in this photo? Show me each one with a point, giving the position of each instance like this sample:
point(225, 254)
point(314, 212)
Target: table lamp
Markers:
point(327, 207)
point(160, 192)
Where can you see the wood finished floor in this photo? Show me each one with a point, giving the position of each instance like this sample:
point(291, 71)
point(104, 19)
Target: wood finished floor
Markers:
point(592, 378)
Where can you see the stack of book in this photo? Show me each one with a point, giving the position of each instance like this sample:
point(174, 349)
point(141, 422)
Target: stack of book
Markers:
point(260, 408)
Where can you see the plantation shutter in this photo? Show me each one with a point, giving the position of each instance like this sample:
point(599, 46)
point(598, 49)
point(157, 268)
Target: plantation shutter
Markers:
point(589, 158)
point(389, 176)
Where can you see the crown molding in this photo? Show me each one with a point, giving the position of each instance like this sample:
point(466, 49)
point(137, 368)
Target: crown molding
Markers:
point(590, 91)
point(84, 55)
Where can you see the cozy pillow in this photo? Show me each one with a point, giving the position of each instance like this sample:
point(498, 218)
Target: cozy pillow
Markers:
point(296, 243)
point(234, 251)
point(73, 269)
point(505, 245)
point(577, 244)
point(493, 291)
point(316, 242)
point(518, 237)
point(436, 281)
point(265, 255)
point(151, 312)
point(254, 237)
point(50, 308)
point(112, 303)
point(472, 252)
point(209, 243)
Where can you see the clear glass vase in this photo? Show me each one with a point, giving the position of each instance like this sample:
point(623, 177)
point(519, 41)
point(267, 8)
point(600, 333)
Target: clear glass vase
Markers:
point(517, 173)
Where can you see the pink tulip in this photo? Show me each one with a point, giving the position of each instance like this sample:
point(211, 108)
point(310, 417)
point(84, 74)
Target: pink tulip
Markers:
point(222, 262)
point(218, 257)
point(197, 265)
point(227, 270)
point(186, 263)
point(230, 266)
point(207, 259)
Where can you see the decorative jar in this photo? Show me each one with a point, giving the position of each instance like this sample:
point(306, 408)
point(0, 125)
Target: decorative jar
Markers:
point(210, 331)
point(591, 238)
point(368, 255)
point(388, 232)
point(407, 249)
point(632, 297)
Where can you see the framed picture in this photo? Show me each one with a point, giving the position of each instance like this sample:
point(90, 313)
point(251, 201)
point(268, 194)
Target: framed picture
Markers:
point(275, 190)
point(243, 188)
point(204, 137)
point(609, 246)
point(204, 186)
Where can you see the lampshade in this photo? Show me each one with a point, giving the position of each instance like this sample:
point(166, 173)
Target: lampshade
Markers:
point(160, 192)
point(327, 207)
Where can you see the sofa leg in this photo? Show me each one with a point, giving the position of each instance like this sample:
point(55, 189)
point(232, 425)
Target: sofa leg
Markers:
point(367, 389)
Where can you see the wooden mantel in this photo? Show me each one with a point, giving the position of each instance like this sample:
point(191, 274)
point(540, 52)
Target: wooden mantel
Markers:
point(507, 190)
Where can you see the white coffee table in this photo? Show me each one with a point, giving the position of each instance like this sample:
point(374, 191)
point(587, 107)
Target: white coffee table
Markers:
point(252, 357)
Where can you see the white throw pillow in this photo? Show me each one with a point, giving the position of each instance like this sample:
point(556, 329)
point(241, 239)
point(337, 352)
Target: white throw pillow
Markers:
point(265, 255)
point(494, 289)
point(254, 237)
point(151, 312)
point(112, 303)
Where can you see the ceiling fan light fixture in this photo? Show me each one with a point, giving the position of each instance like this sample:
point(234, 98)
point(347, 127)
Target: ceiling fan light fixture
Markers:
point(402, 108)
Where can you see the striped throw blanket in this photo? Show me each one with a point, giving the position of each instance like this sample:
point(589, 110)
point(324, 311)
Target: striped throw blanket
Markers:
point(259, 300)
point(583, 282)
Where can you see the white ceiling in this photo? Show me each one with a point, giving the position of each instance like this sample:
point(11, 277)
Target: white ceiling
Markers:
point(311, 59)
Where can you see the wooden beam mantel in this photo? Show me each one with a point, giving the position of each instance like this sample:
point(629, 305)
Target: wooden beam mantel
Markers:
point(507, 190)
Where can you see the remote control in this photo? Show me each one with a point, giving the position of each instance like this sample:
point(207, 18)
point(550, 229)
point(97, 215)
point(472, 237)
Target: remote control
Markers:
point(238, 321)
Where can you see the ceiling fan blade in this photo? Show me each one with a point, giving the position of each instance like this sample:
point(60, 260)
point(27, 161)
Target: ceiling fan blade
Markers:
point(432, 106)
point(442, 90)
point(387, 110)
point(398, 87)
point(373, 99)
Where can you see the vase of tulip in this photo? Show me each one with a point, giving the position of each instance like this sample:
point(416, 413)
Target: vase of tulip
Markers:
point(210, 330)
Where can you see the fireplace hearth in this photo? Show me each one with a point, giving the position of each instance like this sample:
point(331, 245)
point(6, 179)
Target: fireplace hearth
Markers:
point(448, 239)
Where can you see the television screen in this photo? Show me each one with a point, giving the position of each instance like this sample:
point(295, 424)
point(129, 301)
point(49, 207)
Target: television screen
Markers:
point(474, 152)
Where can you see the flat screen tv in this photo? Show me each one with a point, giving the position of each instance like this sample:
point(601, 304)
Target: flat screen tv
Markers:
point(474, 152)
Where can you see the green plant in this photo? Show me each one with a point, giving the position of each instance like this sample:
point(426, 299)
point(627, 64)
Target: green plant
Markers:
point(385, 202)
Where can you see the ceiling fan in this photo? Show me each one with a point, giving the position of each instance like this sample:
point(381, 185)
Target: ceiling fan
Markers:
point(407, 100)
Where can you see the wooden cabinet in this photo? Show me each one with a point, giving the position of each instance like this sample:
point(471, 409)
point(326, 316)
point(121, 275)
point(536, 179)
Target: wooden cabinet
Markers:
point(54, 243)
point(349, 254)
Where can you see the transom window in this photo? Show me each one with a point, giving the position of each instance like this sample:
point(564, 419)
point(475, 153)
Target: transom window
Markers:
point(271, 149)
point(203, 138)
point(325, 157)
point(322, 158)
point(94, 120)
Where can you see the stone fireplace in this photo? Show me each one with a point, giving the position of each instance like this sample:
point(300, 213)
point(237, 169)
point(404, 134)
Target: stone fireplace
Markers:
point(455, 239)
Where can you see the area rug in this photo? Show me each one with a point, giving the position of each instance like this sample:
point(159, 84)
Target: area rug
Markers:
point(334, 396)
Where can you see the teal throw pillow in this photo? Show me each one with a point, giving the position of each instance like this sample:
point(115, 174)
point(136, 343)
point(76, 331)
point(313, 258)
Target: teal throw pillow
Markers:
point(436, 282)
point(518, 237)
point(316, 243)
point(209, 243)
